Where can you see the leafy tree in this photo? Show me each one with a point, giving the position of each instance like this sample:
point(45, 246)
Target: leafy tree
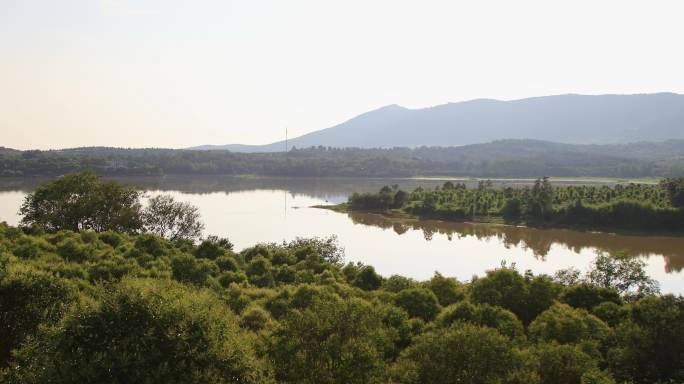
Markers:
point(81, 201)
point(255, 318)
point(503, 287)
point(588, 296)
point(171, 219)
point(327, 248)
point(539, 203)
point(462, 353)
point(188, 269)
point(610, 312)
point(396, 283)
point(144, 331)
point(650, 343)
point(260, 272)
point(512, 210)
point(675, 190)
point(564, 324)
point(367, 279)
point(331, 341)
point(418, 302)
point(542, 292)
point(213, 247)
point(567, 364)
point(29, 298)
point(624, 274)
point(448, 290)
point(486, 315)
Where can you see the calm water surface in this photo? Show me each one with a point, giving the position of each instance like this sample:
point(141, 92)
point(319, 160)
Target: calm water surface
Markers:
point(255, 210)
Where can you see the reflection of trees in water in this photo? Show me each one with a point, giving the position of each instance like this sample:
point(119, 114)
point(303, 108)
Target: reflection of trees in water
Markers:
point(311, 186)
point(539, 241)
point(336, 189)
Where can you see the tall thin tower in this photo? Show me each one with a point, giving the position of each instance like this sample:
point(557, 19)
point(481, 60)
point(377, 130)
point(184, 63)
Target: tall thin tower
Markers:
point(285, 139)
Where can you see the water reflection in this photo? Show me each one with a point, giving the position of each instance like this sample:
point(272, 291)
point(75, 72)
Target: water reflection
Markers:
point(539, 241)
point(311, 186)
point(251, 210)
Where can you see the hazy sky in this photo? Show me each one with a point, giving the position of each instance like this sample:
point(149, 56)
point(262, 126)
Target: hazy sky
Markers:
point(165, 73)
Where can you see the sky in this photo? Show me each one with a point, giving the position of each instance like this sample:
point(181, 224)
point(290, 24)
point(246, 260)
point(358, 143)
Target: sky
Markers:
point(168, 73)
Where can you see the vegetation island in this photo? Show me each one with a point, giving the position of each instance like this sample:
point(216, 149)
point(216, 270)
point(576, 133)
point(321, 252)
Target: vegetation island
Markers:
point(97, 287)
point(632, 207)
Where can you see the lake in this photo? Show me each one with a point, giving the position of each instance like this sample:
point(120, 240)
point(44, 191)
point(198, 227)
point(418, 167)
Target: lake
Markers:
point(252, 210)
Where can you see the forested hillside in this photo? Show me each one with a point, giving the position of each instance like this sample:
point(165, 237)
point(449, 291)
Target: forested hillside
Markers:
point(508, 158)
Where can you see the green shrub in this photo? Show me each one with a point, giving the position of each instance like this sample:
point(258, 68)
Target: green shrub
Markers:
point(448, 290)
point(331, 341)
point(143, 332)
point(486, 315)
point(418, 302)
point(564, 324)
point(462, 353)
point(29, 298)
point(188, 269)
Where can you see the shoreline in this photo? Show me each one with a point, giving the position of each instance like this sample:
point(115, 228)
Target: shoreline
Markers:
point(498, 221)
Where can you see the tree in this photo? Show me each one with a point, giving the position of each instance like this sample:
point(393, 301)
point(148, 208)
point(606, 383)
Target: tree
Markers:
point(332, 340)
point(213, 247)
point(540, 201)
point(462, 353)
point(650, 343)
point(485, 315)
point(503, 287)
point(188, 269)
point(447, 289)
point(144, 331)
point(81, 201)
point(396, 283)
point(675, 190)
point(588, 296)
point(29, 298)
point(418, 302)
point(512, 210)
point(564, 324)
point(568, 364)
point(367, 279)
point(171, 219)
point(622, 273)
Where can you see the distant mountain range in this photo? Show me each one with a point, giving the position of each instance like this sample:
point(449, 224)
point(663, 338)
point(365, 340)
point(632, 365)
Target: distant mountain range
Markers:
point(573, 119)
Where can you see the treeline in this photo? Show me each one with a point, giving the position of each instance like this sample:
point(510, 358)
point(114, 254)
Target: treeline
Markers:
point(509, 158)
point(632, 206)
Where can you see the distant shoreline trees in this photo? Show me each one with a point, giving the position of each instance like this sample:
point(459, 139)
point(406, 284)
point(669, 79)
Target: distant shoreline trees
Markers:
point(505, 158)
point(630, 207)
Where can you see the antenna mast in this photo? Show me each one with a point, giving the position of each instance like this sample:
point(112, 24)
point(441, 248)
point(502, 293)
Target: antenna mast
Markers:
point(285, 139)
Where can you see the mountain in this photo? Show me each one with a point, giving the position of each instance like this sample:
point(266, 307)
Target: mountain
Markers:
point(574, 119)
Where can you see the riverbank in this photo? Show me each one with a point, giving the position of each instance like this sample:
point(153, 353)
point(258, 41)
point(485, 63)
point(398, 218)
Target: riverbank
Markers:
point(402, 217)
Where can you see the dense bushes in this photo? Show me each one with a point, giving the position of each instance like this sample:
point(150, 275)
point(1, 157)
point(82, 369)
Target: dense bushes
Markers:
point(112, 308)
point(144, 331)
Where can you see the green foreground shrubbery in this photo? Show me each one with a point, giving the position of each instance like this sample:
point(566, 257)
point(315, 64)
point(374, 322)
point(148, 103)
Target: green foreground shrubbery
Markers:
point(112, 308)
